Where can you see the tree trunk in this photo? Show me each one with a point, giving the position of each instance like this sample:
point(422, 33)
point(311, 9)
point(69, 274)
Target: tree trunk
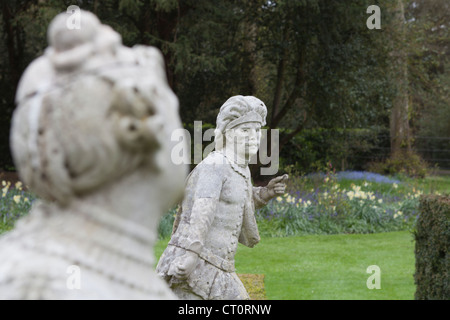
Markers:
point(399, 122)
point(280, 77)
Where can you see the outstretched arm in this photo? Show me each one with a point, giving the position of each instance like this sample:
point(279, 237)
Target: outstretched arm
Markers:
point(261, 195)
point(275, 187)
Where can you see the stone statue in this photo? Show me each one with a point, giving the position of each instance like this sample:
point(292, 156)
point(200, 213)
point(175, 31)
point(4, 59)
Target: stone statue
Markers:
point(218, 209)
point(91, 137)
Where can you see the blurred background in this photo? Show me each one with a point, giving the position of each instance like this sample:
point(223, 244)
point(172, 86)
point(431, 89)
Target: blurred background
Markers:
point(340, 93)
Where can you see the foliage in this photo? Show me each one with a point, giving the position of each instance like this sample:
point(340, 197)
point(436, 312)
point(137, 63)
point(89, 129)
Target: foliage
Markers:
point(312, 149)
point(366, 176)
point(429, 80)
point(331, 208)
point(307, 45)
point(314, 63)
point(346, 202)
point(432, 249)
point(166, 224)
point(14, 203)
point(405, 162)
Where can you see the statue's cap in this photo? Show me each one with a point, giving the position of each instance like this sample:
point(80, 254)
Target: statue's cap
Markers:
point(251, 116)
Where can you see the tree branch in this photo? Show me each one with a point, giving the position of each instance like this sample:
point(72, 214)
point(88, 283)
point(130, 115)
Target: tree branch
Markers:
point(295, 93)
point(299, 128)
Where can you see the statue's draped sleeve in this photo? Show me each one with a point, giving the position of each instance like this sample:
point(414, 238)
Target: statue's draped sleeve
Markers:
point(203, 188)
point(249, 233)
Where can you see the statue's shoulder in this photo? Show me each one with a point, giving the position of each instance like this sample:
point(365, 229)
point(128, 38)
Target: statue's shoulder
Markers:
point(37, 76)
point(215, 163)
point(215, 159)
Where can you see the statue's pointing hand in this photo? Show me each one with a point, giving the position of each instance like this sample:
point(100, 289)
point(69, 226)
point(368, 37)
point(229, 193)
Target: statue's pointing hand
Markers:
point(276, 187)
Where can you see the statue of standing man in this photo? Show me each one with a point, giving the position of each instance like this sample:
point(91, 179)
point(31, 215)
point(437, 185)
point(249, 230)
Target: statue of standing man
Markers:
point(218, 209)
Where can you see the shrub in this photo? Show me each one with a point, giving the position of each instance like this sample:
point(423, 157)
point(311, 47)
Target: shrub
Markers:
point(166, 223)
point(405, 163)
point(432, 245)
point(313, 149)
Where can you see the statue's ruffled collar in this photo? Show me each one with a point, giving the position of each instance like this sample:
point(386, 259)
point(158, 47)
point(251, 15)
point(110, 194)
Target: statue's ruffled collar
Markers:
point(244, 171)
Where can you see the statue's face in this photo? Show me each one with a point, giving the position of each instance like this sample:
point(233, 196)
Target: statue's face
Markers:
point(245, 138)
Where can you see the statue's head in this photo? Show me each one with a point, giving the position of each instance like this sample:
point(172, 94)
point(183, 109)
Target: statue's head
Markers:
point(70, 47)
point(239, 125)
point(90, 129)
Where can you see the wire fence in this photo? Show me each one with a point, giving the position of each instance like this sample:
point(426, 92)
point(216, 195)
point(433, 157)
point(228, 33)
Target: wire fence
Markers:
point(433, 149)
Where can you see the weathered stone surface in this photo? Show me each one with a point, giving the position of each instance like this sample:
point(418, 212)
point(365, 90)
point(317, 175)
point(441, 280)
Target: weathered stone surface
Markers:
point(218, 209)
point(91, 137)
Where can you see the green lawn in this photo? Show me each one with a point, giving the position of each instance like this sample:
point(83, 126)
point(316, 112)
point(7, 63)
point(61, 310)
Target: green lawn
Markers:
point(330, 266)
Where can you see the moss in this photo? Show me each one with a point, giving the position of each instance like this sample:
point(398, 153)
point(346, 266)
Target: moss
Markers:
point(254, 283)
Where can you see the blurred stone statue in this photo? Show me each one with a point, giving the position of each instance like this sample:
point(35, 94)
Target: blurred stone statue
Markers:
point(218, 209)
point(91, 137)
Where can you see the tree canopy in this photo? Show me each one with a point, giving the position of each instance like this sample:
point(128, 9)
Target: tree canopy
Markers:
point(313, 62)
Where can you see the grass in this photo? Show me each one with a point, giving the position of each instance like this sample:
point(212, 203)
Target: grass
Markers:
point(432, 184)
point(325, 267)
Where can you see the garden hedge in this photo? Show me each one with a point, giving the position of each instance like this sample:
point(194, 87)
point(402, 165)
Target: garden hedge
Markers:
point(432, 237)
point(312, 149)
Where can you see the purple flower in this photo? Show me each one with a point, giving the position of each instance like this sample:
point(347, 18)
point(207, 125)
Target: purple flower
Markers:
point(364, 175)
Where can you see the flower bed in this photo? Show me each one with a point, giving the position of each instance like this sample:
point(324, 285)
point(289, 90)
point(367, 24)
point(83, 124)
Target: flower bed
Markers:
point(341, 203)
point(345, 202)
point(15, 203)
